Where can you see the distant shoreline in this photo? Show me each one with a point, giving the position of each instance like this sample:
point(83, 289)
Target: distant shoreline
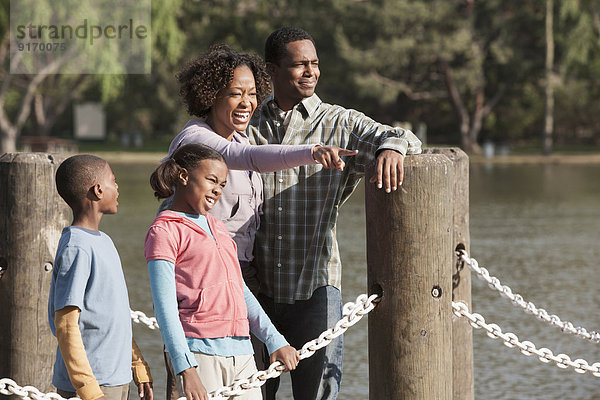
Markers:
point(128, 156)
point(557, 158)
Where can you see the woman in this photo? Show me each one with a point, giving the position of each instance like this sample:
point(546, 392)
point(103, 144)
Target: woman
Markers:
point(222, 89)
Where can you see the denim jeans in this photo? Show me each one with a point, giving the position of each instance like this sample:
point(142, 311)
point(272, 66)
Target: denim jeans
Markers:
point(319, 376)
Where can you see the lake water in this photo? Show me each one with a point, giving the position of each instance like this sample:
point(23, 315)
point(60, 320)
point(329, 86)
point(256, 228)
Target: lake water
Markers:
point(535, 227)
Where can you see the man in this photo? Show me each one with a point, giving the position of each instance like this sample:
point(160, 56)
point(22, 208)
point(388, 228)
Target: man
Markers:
point(297, 255)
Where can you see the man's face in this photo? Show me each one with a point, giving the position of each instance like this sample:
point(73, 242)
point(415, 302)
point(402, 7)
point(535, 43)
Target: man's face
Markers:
point(296, 75)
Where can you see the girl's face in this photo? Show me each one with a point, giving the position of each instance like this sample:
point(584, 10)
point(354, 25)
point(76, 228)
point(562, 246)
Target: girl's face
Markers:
point(199, 189)
point(234, 104)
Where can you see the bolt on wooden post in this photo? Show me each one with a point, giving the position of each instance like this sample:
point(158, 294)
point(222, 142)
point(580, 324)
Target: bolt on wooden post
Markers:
point(409, 251)
point(32, 216)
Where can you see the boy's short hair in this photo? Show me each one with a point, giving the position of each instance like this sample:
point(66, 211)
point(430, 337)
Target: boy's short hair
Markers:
point(278, 39)
point(76, 175)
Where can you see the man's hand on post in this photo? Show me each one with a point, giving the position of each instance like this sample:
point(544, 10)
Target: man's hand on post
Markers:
point(389, 171)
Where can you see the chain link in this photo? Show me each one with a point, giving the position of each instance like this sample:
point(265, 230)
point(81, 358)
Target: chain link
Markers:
point(527, 348)
point(352, 313)
point(140, 317)
point(9, 387)
point(518, 301)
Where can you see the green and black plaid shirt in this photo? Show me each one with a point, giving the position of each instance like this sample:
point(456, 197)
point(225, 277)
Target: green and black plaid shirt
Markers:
point(296, 250)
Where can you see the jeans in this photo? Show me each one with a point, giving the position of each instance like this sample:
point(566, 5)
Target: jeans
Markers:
point(319, 376)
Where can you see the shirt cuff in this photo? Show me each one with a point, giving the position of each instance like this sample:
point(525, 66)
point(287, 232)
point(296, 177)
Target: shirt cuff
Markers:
point(401, 145)
point(183, 362)
point(293, 158)
point(90, 391)
point(397, 144)
point(141, 372)
point(275, 343)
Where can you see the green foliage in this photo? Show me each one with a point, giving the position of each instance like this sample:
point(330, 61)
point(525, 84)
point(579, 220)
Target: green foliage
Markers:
point(113, 86)
point(383, 57)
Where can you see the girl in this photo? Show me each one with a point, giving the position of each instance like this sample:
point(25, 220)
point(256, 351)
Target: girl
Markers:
point(202, 305)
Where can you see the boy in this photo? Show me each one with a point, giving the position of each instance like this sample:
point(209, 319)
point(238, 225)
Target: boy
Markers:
point(88, 308)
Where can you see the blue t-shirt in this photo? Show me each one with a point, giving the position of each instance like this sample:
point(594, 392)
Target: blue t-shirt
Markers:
point(87, 274)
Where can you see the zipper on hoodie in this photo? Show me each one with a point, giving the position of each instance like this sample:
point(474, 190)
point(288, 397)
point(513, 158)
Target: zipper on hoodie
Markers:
point(231, 295)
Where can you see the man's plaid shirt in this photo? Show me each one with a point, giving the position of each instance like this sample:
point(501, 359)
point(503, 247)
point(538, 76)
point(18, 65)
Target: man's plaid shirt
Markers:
point(296, 250)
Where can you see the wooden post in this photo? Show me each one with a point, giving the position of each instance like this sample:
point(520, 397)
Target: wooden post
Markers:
point(409, 246)
point(32, 216)
point(462, 332)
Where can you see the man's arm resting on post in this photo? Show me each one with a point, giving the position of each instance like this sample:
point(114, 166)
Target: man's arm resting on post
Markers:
point(72, 350)
point(387, 144)
point(394, 145)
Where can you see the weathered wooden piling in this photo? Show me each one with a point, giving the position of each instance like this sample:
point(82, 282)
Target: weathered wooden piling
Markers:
point(462, 332)
point(32, 216)
point(410, 256)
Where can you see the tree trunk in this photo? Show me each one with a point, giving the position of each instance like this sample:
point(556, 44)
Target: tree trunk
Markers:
point(470, 126)
point(10, 130)
point(52, 114)
point(547, 141)
point(8, 141)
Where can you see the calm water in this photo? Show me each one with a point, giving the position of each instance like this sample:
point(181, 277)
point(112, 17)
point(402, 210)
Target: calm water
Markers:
point(536, 228)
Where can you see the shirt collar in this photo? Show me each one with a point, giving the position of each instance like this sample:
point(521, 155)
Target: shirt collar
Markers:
point(310, 104)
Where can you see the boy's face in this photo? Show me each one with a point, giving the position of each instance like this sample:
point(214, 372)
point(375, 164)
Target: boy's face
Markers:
point(110, 191)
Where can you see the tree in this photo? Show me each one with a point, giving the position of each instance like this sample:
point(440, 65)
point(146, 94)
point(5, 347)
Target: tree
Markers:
point(47, 94)
point(549, 84)
point(578, 71)
point(460, 52)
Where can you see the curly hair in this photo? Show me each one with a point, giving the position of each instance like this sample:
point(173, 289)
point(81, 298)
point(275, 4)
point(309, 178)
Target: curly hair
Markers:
point(202, 79)
point(275, 44)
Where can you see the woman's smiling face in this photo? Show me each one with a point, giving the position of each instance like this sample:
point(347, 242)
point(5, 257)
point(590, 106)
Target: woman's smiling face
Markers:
point(234, 104)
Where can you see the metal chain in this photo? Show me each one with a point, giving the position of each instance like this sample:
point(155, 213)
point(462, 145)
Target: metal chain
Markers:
point(140, 317)
point(528, 307)
point(9, 387)
point(526, 347)
point(352, 312)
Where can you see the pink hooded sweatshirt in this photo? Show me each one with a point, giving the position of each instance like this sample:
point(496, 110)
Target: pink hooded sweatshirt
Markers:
point(208, 279)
